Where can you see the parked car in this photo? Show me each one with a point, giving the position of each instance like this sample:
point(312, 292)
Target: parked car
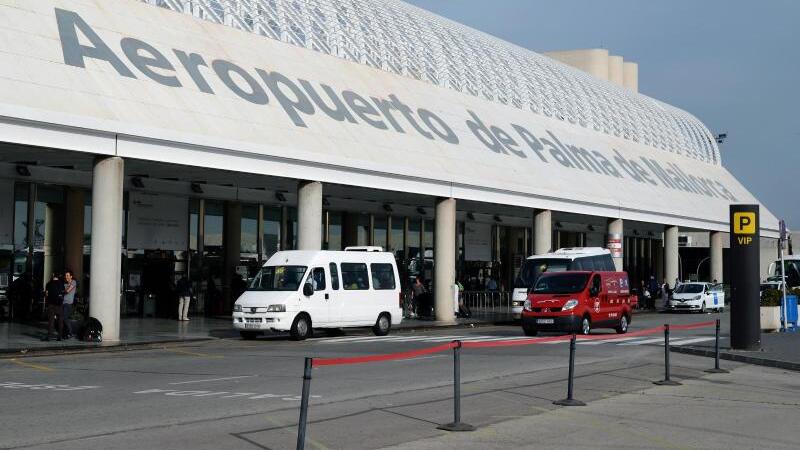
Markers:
point(563, 259)
point(577, 302)
point(297, 291)
point(697, 296)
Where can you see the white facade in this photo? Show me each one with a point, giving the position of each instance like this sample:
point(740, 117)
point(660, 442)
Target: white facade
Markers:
point(125, 78)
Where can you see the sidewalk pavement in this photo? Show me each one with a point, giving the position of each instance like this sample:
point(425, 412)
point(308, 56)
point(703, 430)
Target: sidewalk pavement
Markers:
point(24, 338)
point(780, 350)
point(749, 408)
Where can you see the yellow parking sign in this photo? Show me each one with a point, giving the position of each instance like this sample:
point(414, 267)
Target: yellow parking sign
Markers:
point(744, 223)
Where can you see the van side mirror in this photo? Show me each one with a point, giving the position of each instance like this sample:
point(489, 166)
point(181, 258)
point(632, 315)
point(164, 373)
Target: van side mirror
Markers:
point(308, 290)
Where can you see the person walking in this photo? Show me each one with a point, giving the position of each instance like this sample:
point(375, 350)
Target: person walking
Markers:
point(70, 286)
point(54, 295)
point(655, 291)
point(418, 291)
point(184, 289)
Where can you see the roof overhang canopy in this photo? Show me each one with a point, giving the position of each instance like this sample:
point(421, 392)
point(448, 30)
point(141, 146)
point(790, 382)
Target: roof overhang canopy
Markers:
point(135, 81)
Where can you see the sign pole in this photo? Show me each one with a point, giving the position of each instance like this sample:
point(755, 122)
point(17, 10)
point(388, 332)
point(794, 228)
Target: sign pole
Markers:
point(745, 274)
point(784, 305)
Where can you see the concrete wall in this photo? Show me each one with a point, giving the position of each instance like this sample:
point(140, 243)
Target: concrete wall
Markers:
point(593, 61)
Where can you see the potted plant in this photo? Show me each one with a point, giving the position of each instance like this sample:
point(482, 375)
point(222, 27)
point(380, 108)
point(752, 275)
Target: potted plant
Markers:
point(771, 310)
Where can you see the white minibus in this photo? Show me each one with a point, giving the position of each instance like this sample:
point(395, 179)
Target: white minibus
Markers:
point(298, 290)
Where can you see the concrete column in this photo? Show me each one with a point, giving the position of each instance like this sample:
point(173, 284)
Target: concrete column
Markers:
point(260, 235)
point(615, 232)
point(630, 77)
point(389, 247)
point(406, 221)
point(615, 70)
point(73, 242)
point(309, 215)
point(371, 231)
point(444, 268)
point(671, 254)
point(542, 231)
point(231, 244)
point(715, 238)
point(106, 258)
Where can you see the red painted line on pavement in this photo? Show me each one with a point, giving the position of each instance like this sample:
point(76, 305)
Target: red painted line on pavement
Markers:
point(318, 362)
point(710, 323)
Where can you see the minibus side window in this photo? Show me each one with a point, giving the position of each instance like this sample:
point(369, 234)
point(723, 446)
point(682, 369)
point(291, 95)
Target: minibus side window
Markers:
point(382, 276)
point(334, 276)
point(588, 264)
point(355, 276)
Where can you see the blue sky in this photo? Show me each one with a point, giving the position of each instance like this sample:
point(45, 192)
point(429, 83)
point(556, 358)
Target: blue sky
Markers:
point(734, 64)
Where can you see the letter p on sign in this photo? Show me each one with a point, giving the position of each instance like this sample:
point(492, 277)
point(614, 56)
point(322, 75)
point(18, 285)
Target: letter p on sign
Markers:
point(744, 223)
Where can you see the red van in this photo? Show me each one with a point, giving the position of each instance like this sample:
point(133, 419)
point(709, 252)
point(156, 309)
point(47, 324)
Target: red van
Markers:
point(577, 302)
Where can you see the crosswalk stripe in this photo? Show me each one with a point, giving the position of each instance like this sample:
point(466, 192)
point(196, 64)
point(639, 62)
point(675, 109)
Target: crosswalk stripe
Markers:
point(605, 341)
point(691, 341)
point(645, 341)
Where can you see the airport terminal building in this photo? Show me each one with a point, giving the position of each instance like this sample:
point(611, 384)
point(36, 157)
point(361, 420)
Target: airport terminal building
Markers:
point(145, 140)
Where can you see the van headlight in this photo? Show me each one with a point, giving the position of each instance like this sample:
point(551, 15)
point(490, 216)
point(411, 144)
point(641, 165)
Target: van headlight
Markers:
point(571, 304)
point(237, 308)
point(526, 305)
point(697, 297)
point(276, 308)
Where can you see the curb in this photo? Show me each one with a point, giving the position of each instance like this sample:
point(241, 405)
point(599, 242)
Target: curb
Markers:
point(8, 353)
point(738, 358)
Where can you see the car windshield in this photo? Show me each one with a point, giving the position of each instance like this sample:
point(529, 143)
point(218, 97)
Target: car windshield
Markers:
point(566, 283)
point(532, 269)
point(278, 278)
point(689, 289)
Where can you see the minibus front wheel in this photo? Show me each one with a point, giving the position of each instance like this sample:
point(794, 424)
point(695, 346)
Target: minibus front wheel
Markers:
point(301, 327)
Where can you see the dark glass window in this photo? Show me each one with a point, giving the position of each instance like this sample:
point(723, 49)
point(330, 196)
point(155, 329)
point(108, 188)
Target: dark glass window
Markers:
point(382, 276)
point(355, 276)
point(334, 276)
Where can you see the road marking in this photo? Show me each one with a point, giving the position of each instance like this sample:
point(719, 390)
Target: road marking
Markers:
point(384, 338)
point(645, 341)
point(223, 394)
point(604, 341)
point(186, 352)
point(214, 379)
point(32, 366)
point(43, 387)
point(691, 341)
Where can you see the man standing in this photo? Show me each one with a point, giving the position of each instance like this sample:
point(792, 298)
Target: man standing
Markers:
point(184, 289)
point(70, 286)
point(54, 293)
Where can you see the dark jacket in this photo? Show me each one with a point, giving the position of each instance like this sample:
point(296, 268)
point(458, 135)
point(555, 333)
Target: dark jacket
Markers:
point(55, 292)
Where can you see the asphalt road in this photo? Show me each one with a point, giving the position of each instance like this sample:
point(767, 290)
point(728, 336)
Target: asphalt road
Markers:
point(238, 394)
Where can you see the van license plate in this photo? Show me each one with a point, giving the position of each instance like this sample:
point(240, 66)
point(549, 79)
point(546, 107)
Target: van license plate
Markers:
point(252, 325)
point(545, 321)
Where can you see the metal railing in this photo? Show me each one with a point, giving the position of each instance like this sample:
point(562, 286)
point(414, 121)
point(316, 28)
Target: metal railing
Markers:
point(487, 301)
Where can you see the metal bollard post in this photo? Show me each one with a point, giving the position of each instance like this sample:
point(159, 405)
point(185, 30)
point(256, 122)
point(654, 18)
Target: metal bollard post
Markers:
point(716, 368)
point(666, 381)
point(301, 425)
point(457, 424)
point(570, 400)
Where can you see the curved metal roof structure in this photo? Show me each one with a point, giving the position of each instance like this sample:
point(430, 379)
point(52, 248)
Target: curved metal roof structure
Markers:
point(399, 38)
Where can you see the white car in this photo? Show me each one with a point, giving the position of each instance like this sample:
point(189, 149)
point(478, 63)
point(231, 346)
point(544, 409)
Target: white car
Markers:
point(297, 290)
point(697, 296)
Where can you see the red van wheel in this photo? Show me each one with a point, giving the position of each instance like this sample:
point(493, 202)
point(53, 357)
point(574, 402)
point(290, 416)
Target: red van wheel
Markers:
point(622, 328)
point(586, 325)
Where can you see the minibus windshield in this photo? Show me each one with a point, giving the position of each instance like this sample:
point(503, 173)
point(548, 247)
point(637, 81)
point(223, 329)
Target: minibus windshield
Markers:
point(533, 268)
point(566, 283)
point(278, 278)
